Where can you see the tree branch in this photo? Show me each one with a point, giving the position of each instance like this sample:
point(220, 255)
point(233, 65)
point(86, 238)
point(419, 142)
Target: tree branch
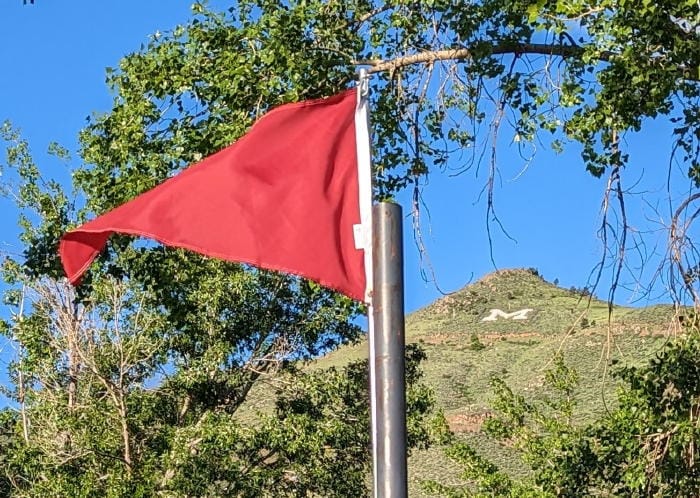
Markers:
point(378, 65)
point(369, 15)
point(457, 54)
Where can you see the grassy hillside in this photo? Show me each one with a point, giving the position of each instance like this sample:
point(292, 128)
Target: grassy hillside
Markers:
point(465, 350)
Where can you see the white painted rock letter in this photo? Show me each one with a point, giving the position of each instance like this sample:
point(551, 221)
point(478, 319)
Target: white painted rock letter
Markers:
point(516, 315)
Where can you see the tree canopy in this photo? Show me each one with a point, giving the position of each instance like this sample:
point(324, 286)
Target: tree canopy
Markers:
point(645, 445)
point(451, 80)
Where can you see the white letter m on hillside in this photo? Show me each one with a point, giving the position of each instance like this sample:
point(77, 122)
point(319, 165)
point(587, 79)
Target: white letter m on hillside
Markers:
point(516, 315)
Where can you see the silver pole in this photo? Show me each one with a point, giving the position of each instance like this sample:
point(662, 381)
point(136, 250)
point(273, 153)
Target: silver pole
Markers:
point(389, 344)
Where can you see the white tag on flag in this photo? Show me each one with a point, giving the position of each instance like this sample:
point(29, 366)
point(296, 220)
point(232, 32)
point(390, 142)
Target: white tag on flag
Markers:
point(360, 236)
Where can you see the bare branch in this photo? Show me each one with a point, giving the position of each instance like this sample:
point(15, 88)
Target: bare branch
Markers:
point(456, 54)
point(461, 54)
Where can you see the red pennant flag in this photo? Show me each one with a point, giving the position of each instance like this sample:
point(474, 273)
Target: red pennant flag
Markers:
point(284, 197)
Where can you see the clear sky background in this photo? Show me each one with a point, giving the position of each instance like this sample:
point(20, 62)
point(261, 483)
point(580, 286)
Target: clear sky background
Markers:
point(52, 63)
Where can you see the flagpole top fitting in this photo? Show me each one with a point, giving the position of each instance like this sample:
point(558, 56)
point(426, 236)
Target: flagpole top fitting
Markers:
point(363, 82)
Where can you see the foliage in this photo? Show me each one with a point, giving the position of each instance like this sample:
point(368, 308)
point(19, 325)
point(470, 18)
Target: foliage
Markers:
point(130, 385)
point(475, 344)
point(451, 80)
point(103, 412)
point(584, 71)
point(645, 446)
point(111, 381)
point(581, 291)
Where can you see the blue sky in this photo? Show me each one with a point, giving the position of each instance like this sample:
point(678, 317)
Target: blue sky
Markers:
point(53, 61)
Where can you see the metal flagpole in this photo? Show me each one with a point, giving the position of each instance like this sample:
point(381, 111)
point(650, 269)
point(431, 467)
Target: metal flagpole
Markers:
point(383, 245)
point(389, 345)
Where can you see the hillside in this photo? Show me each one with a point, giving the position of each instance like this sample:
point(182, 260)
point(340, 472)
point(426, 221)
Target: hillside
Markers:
point(511, 323)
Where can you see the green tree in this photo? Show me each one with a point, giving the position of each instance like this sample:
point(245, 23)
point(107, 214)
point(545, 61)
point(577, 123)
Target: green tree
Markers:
point(105, 408)
point(451, 79)
point(135, 386)
point(645, 446)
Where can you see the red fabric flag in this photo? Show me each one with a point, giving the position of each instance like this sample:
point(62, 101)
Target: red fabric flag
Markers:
point(283, 197)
